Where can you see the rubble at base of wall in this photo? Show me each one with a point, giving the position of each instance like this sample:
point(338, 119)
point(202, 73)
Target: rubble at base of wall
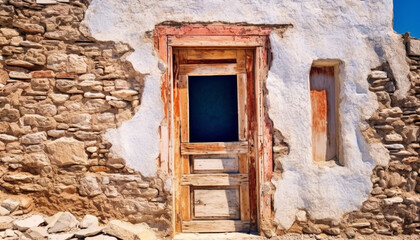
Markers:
point(63, 225)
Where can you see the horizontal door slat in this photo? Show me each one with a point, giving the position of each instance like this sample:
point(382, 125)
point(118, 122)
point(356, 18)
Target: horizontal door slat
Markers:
point(200, 54)
point(216, 226)
point(208, 69)
point(214, 148)
point(214, 179)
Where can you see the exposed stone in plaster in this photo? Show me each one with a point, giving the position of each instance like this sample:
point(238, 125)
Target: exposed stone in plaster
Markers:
point(359, 33)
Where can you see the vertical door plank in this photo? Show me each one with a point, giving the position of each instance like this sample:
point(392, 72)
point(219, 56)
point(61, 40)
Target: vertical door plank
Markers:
point(251, 114)
point(183, 99)
point(242, 118)
point(240, 60)
point(265, 163)
point(319, 124)
point(244, 188)
point(184, 135)
point(177, 146)
point(185, 190)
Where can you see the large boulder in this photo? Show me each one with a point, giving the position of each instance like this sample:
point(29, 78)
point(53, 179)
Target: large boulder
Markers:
point(67, 151)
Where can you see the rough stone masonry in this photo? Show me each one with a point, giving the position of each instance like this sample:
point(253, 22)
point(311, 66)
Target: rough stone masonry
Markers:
point(76, 77)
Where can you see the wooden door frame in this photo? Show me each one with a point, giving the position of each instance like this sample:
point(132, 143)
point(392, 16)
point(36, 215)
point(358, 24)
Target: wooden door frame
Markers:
point(217, 35)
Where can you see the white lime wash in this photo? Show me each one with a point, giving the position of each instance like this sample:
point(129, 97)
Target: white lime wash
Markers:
point(357, 32)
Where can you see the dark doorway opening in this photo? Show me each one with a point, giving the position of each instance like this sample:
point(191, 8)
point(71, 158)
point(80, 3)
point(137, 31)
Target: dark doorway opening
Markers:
point(213, 108)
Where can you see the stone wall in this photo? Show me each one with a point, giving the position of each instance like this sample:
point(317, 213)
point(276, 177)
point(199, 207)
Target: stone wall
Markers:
point(60, 90)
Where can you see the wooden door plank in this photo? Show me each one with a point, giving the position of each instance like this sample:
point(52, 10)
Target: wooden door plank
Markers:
point(242, 107)
point(214, 148)
point(210, 54)
point(219, 179)
point(245, 210)
point(215, 164)
point(183, 101)
point(240, 59)
point(264, 140)
point(319, 125)
point(252, 137)
point(218, 203)
point(244, 188)
point(209, 69)
point(216, 226)
point(185, 190)
point(177, 146)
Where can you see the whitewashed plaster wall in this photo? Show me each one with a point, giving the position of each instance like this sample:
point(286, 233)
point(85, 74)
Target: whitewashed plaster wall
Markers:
point(358, 32)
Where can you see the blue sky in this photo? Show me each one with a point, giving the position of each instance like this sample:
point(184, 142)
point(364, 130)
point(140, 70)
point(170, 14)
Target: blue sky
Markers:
point(407, 17)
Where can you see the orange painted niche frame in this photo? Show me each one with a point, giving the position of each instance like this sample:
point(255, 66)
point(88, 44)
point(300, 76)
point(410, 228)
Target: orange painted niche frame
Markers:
point(218, 35)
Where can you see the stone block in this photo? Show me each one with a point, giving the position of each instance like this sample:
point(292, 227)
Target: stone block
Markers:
point(6, 222)
point(101, 237)
point(378, 74)
point(414, 47)
point(91, 231)
point(76, 64)
point(9, 115)
point(37, 233)
point(19, 75)
point(4, 211)
point(89, 221)
point(40, 84)
point(128, 231)
point(34, 138)
point(67, 151)
point(36, 160)
point(89, 186)
point(57, 62)
point(35, 56)
point(64, 221)
point(10, 204)
point(36, 120)
point(18, 177)
point(7, 138)
point(9, 32)
point(393, 200)
point(61, 236)
point(30, 222)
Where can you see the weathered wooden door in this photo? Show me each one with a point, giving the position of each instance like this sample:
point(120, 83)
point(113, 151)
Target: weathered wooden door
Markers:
point(213, 96)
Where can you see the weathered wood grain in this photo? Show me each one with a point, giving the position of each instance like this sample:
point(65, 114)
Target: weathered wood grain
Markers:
point(209, 69)
point(215, 164)
point(216, 203)
point(214, 148)
point(219, 179)
point(216, 226)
